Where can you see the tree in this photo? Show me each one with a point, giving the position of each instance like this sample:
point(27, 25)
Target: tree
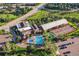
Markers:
point(50, 44)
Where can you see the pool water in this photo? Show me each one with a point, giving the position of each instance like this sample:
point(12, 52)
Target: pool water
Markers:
point(39, 40)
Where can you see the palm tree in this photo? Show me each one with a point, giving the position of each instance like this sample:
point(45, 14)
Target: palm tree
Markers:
point(50, 44)
point(7, 48)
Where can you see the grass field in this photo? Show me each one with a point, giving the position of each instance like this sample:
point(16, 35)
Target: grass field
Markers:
point(39, 15)
point(4, 18)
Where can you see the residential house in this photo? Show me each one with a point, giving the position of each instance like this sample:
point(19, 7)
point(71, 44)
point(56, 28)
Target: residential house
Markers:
point(21, 31)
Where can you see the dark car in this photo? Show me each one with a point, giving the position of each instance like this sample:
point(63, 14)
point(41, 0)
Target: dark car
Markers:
point(72, 42)
point(7, 37)
point(63, 47)
point(67, 52)
point(68, 43)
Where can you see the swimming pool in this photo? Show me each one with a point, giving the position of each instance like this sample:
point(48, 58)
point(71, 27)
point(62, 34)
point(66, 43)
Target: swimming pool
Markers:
point(39, 39)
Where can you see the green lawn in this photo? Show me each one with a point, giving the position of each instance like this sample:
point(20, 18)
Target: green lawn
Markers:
point(4, 18)
point(72, 15)
point(2, 32)
point(8, 16)
point(40, 14)
point(1, 24)
point(67, 14)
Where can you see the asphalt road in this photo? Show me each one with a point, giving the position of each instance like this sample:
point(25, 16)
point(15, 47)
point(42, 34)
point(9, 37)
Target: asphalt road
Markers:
point(18, 20)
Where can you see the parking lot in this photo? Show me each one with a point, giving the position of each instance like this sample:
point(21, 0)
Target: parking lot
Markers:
point(4, 38)
point(69, 47)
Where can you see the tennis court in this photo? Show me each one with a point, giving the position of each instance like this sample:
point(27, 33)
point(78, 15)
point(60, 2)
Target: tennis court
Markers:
point(62, 30)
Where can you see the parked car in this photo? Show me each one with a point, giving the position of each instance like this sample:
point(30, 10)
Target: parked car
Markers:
point(68, 43)
point(63, 47)
point(67, 52)
point(7, 37)
point(72, 42)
